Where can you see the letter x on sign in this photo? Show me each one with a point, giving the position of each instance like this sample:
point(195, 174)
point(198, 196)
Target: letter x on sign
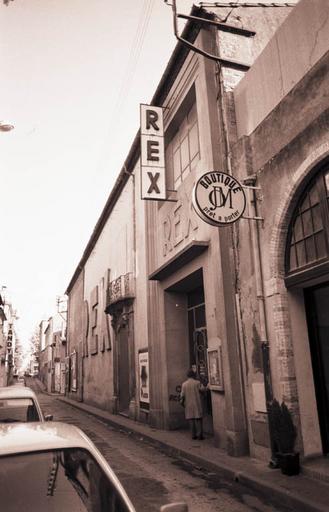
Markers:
point(153, 186)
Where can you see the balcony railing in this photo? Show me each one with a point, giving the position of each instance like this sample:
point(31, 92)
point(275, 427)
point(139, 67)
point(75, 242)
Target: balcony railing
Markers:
point(122, 288)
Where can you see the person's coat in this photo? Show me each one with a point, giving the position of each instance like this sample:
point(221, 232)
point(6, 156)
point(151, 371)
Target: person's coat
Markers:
point(191, 396)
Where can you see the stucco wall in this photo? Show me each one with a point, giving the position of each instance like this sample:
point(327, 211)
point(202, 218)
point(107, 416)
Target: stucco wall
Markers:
point(175, 225)
point(172, 227)
point(75, 330)
point(112, 256)
point(298, 44)
point(298, 131)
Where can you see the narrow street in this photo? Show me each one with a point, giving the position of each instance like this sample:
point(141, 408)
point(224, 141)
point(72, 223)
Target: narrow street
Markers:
point(152, 478)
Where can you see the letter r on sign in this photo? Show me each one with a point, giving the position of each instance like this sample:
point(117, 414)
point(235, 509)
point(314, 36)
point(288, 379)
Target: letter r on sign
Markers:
point(151, 120)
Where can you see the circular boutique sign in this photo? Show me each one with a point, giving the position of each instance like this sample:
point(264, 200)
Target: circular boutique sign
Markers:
point(218, 198)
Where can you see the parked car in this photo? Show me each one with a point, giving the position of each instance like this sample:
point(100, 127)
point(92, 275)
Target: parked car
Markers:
point(20, 404)
point(21, 380)
point(55, 466)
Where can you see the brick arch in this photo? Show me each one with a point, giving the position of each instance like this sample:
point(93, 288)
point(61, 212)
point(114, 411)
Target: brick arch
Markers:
point(287, 206)
point(280, 306)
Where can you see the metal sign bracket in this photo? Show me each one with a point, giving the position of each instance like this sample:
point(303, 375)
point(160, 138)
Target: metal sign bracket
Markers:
point(166, 200)
point(250, 188)
point(230, 63)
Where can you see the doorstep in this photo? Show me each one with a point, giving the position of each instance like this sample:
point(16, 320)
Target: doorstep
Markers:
point(317, 468)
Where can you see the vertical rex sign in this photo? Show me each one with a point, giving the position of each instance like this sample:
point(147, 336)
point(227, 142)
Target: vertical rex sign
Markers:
point(153, 178)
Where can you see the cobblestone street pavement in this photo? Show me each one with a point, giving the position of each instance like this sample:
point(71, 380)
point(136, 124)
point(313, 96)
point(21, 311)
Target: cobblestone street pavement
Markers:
point(151, 477)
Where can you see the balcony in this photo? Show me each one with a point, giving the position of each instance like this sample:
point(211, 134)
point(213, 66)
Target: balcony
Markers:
point(120, 289)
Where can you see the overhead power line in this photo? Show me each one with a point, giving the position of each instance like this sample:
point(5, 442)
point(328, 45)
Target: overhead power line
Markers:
point(134, 54)
point(129, 71)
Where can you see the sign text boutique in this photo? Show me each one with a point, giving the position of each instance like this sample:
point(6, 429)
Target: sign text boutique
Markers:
point(218, 198)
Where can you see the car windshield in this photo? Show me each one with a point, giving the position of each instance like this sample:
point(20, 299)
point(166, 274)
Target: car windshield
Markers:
point(18, 409)
point(57, 481)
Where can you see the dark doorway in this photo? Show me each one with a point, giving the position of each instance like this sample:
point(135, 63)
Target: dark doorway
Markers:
point(317, 310)
point(198, 344)
point(197, 331)
point(191, 287)
point(123, 369)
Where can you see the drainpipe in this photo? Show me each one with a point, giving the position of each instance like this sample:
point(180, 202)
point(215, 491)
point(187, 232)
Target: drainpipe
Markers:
point(233, 232)
point(250, 182)
point(251, 188)
point(132, 326)
point(251, 192)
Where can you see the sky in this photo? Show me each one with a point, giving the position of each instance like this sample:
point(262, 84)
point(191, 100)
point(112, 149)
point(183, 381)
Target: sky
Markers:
point(73, 73)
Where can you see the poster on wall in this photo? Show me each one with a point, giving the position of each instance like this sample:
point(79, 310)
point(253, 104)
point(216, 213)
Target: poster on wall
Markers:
point(143, 367)
point(74, 385)
point(67, 373)
point(215, 371)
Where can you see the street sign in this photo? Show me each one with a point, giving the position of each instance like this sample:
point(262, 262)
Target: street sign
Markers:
point(153, 176)
point(218, 198)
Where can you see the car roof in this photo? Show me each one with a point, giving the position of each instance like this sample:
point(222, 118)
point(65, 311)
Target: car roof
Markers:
point(39, 436)
point(16, 392)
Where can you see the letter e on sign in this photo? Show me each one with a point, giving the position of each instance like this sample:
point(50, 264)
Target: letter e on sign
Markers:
point(153, 175)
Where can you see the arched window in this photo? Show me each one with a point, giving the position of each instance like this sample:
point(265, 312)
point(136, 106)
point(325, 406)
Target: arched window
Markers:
point(308, 239)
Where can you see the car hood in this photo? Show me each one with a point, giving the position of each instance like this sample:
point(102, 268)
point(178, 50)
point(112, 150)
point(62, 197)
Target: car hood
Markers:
point(27, 437)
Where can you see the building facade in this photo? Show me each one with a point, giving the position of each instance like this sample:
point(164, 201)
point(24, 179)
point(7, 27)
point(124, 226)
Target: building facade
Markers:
point(3, 380)
point(158, 290)
point(194, 299)
point(285, 101)
point(10, 349)
point(43, 353)
point(102, 306)
point(52, 353)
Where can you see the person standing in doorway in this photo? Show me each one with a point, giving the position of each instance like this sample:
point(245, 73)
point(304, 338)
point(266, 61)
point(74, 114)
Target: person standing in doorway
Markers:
point(191, 398)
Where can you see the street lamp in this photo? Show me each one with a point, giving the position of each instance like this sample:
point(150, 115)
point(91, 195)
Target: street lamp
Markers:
point(4, 127)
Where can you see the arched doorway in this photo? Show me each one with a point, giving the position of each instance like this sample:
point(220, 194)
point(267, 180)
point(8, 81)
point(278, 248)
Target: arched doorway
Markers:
point(307, 270)
point(124, 357)
point(317, 309)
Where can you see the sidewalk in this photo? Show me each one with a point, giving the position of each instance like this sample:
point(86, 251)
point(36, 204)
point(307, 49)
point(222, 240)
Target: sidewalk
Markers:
point(299, 493)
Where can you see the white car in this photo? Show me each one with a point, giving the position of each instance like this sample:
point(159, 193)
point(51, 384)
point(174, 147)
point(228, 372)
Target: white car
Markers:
point(21, 380)
point(20, 404)
point(56, 467)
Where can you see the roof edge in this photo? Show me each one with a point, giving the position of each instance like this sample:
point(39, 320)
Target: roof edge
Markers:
point(178, 56)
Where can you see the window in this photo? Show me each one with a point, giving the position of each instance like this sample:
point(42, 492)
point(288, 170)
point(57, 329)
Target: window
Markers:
point(182, 142)
point(197, 330)
point(308, 234)
point(18, 409)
